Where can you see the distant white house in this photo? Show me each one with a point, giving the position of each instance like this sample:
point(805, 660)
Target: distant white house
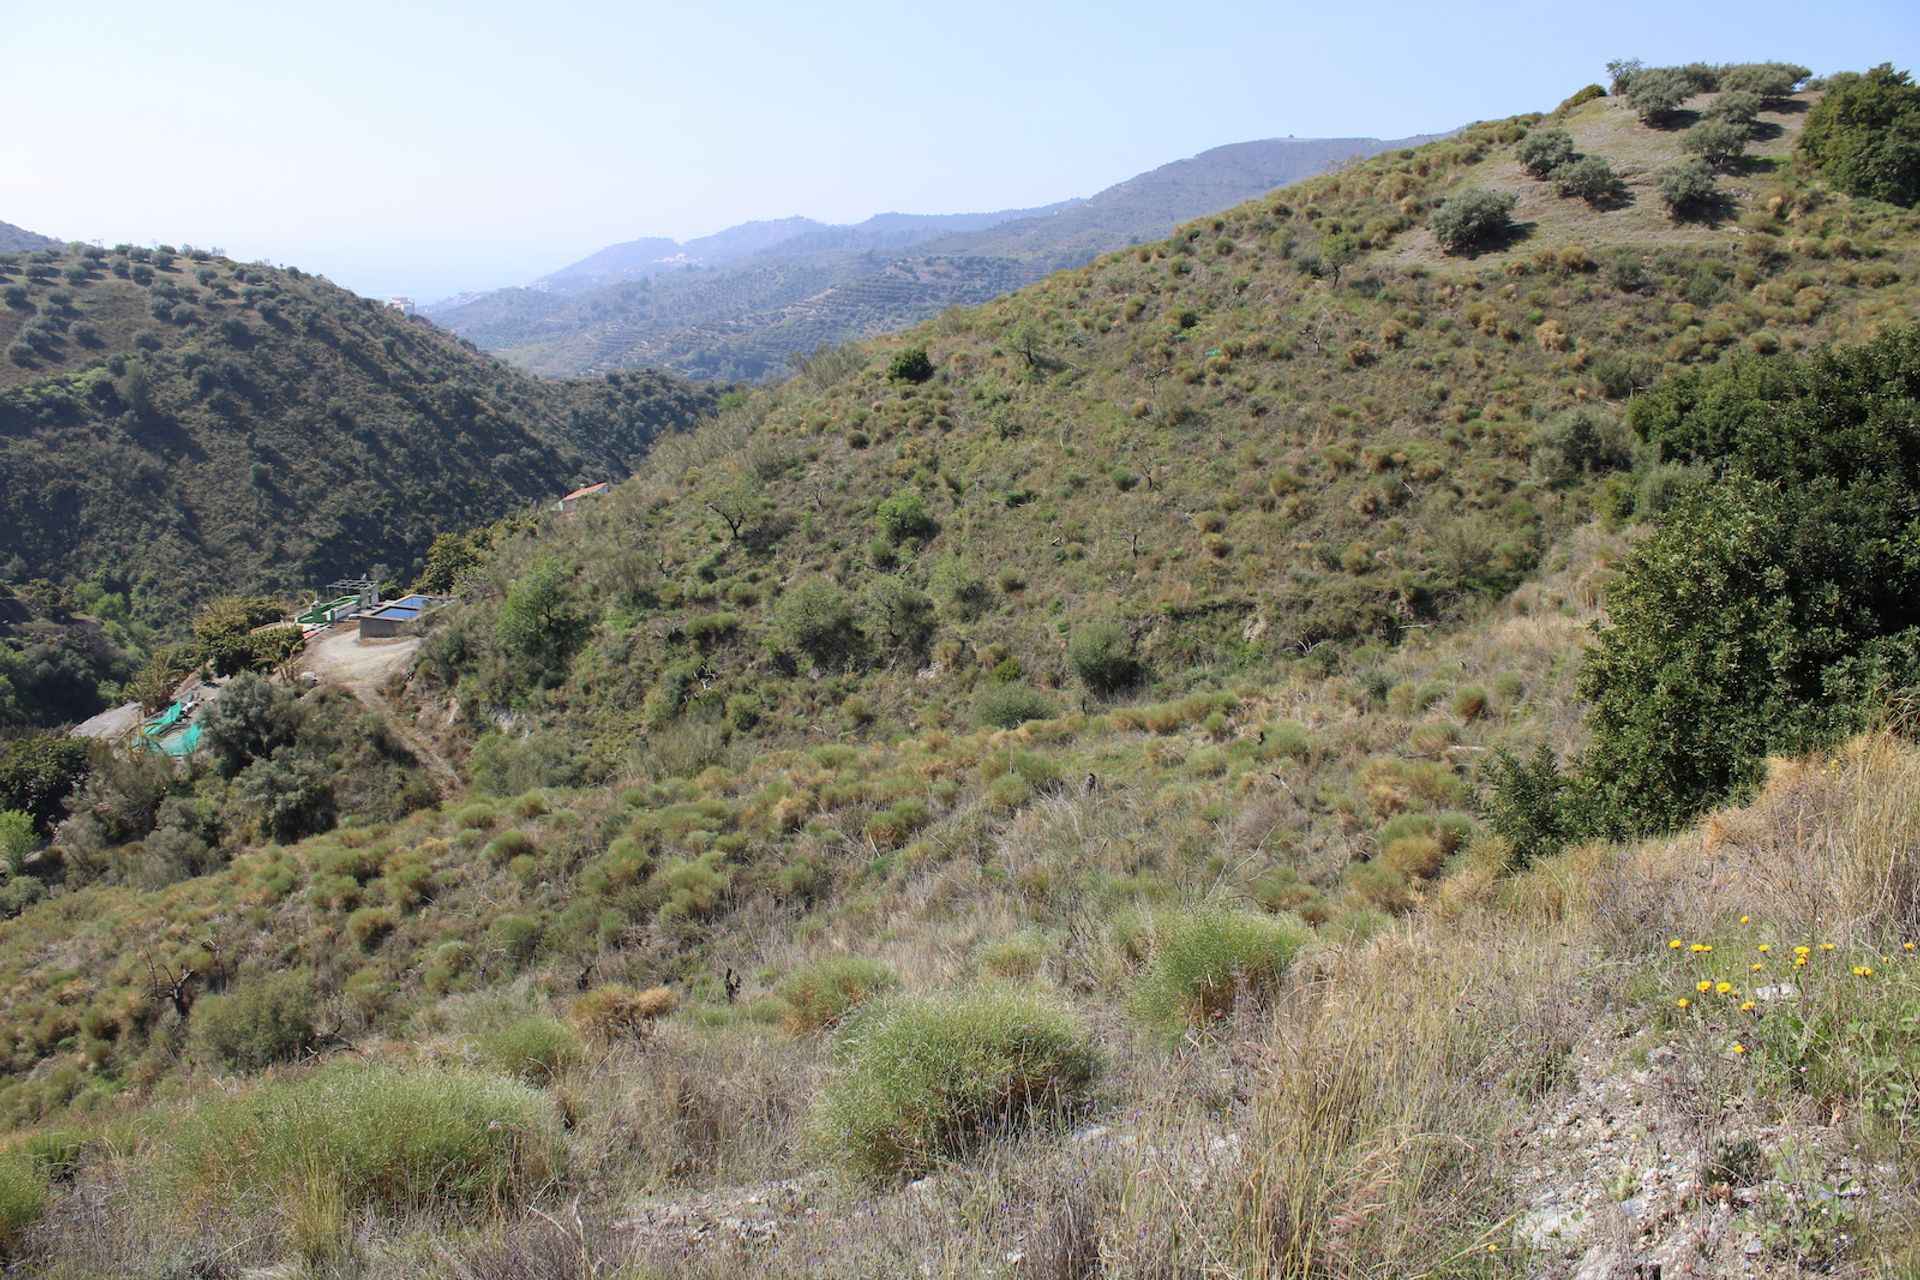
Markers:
point(572, 500)
point(403, 305)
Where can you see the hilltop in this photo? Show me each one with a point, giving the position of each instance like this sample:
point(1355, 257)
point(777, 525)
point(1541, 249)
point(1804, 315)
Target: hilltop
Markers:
point(1092, 786)
point(176, 425)
point(739, 305)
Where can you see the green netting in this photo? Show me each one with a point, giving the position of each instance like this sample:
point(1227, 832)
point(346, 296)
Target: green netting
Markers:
point(184, 743)
point(162, 722)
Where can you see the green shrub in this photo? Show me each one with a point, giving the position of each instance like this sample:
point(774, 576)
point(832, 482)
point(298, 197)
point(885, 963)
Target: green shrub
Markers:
point(1544, 150)
point(17, 839)
point(820, 994)
point(516, 936)
point(1101, 654)
point(1578, 443)
point(266, 1021)
point(1735, 107)
point(1474, 217)
point(1589, 178)
point(1204, 959)
point(926, 1080)
point(369, 926)
point(1687, 188)
point(1715, 141)
point(1008, 706)
point(910, 365)
point(506, 846)
point(375, 1135)
point(904, 516)
point(1526, 804)
point(815, 617)
point(1657, 92)
point(534, 1048)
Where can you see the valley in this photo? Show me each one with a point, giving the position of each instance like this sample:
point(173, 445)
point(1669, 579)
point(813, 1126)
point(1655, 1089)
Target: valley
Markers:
point(1362, 735)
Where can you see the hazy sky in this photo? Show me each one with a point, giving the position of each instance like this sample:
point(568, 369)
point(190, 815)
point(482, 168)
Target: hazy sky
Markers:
point(426, 147)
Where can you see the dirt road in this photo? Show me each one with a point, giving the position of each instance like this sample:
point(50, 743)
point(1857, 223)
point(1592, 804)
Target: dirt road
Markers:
point(339, 656)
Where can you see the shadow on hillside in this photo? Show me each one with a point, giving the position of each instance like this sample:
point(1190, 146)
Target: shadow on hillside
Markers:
point(1710, 213)
point(1675, 121)
point(1765, 131)
point(1755, 166)
point(1617, 196)
point(1517, 233)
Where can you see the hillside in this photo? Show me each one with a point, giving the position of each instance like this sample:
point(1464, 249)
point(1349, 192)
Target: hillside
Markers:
point(741, 304)
point(1093, 786)
point(175, 425)
point(20, 240)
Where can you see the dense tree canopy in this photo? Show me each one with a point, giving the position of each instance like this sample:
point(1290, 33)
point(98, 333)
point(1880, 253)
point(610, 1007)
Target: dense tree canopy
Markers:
point(1864, 135)
point(1777, 605)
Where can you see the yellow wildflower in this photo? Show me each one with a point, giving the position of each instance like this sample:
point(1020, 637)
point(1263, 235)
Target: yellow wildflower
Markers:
point(1698, 947)
point(1746, 1006)
point(1743, 919)
point(1757, 966)
point(1676, 944)
point(1862, 971)
point(1739, 1048)
point(1724, 988)
point(1703, 986)
point(1906, 946)
point(1801, 951)
point(1683, 1002)
point(1765, 947)
point(1826, 946)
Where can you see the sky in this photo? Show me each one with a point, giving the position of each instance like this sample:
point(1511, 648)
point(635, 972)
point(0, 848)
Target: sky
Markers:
point(426, 147)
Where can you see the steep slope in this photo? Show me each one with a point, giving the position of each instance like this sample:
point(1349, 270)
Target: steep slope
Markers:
point(1216, 442)
point(745, 315)
point(173, 425)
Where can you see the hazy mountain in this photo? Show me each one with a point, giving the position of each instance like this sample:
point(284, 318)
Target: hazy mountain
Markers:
point(740, 304)
point(18, 239)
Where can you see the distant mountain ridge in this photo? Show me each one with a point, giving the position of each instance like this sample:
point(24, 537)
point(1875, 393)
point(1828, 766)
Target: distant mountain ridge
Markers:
point(741, 303)
point(794, 237)
point(20, 240)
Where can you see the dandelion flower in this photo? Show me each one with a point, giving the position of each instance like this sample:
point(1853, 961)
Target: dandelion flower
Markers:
point(1862, 971)
point(1757, 966)
point(1698, 947)
point(1799, 962)
point(1801, 951)
point(1746, 1006)
point(1703, 986)
point(1826, 946)
point(1676, 944)
point(1743, 919)
point(1724, 988)
point(1683, 1002)
point(1906, 946)
point(1765, 947)
point(1739, 1048)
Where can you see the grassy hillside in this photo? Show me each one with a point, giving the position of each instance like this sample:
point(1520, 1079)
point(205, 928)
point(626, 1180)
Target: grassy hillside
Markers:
point(745, 316)
point(174, 425)
point(1230, 458)
point(1018, 797)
